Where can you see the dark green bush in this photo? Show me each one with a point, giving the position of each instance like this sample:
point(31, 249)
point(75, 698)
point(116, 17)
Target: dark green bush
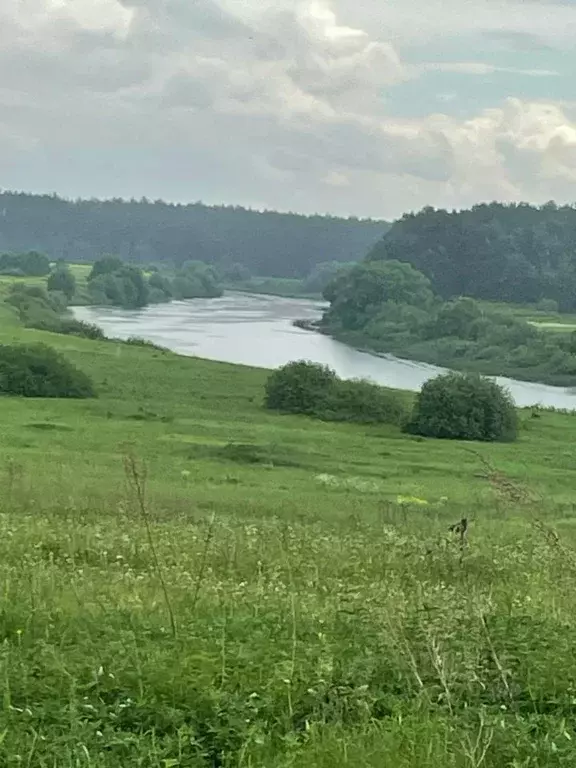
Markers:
point(464, 407)
point(315, 390)
point(81, 328)
point(363, 402)
point(136, 341)
point(299, 387)
point(37, 370)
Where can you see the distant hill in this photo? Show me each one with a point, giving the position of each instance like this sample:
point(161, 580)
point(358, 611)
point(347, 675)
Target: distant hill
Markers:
point(267, 243)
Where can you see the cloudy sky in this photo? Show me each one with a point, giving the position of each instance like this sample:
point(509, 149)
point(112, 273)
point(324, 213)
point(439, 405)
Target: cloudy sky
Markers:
point(364, 107)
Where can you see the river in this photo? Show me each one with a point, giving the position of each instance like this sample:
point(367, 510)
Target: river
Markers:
point(257, 330)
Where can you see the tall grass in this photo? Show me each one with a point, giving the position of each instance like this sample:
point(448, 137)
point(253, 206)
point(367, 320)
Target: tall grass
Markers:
point(299, 642)
point(281, 592)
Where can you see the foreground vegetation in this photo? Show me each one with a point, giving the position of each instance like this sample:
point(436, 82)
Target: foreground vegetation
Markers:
point(191, 580)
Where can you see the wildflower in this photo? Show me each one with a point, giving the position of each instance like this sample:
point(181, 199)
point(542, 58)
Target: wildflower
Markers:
point(411, 500)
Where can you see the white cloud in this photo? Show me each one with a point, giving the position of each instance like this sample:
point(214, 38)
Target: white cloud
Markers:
point(279, 101)
point(481, 68)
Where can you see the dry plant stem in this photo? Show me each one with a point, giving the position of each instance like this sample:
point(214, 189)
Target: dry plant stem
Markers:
point(505, 488)
point(203, 562)
point(476, 752)
point(137, 479)
point(438, 663)
point(286, 549)
point(499, 666)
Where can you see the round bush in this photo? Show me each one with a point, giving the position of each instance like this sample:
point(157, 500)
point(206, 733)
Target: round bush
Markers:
point(464, 407)
point(299, 387)
point(37, 370)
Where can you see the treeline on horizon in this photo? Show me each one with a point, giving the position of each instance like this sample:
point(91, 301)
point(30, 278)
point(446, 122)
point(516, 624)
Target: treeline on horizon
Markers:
point(513, 253)
point(144, 232)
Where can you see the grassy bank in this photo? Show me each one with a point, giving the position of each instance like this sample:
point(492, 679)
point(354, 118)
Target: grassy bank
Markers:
point(282, 592)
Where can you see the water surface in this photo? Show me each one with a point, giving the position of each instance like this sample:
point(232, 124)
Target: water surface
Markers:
point(257, 330)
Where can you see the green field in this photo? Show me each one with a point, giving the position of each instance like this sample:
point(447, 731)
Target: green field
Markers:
point(284, 592)
point(552, 321)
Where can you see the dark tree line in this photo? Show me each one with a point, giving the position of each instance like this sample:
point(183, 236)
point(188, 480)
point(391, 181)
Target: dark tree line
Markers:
point(518, 253)
point(143, 232)
point(31, 264)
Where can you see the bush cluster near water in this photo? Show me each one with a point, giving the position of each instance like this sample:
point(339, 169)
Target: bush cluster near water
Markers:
point(312, 389)
point(42, 310)
point(453, 406)
point(37, 370)
point(389, 306)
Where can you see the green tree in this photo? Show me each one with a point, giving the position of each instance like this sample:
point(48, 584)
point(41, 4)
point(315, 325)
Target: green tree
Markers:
point(62, 280)
point(107, 265)
point(160, 288)
point(464, 407)
point(323, 274)
point(35, 264)
point(126, 287)
point(358, 294)
point(196, 280)
point(135, 286)
point(457, 318)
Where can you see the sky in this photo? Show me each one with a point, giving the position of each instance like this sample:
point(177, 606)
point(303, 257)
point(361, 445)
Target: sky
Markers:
point(349, 107)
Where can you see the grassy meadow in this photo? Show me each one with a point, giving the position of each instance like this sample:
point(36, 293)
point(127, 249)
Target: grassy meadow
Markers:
point(544, 320)
point(188, 580)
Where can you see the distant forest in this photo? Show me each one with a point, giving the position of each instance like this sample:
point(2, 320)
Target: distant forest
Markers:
point(144, 232)
point(514, 253)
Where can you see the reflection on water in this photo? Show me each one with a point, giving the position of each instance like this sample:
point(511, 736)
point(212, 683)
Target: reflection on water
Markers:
point(257, 330)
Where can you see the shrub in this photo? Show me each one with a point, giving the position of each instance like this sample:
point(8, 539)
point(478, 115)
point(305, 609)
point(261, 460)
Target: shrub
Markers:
point(136, 341)
point(81, 328)
point(363, 402)
point(464, 407)
point(63, 281)
point(37, 370)
point(299, 387)
point(41, 310)
point(548, 305)
point(315, 390)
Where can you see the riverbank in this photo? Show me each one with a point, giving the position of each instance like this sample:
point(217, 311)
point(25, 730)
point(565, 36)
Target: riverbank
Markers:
point(431, 354)
point(507, 379)
point(226, 329)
